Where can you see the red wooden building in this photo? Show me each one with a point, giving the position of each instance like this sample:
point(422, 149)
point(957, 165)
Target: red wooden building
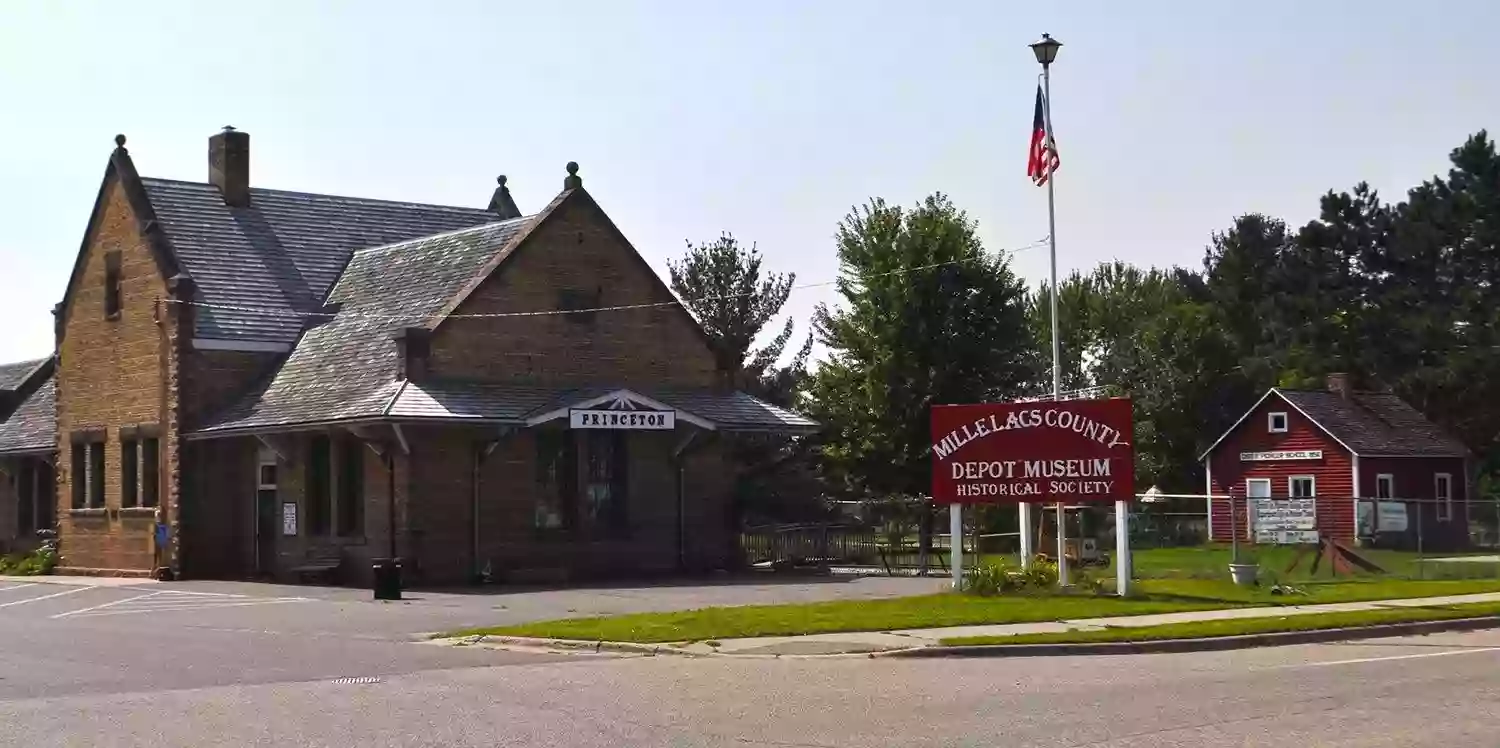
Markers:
point(1301, 463)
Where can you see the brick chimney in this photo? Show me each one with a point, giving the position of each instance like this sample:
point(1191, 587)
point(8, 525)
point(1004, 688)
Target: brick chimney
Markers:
point(1338, 382)
point(413, 344)
point(229, 165)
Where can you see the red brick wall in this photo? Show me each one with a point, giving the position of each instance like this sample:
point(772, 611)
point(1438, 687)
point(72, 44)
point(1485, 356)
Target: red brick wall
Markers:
point(442, 510)
point(224, 484)
point(212, 380)
point(1333, 473)
point(575, 251)
point(112, 373)
point(218, 505)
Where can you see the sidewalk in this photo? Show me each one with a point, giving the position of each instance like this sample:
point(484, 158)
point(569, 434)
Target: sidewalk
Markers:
point(80, 581)
point(888, 641)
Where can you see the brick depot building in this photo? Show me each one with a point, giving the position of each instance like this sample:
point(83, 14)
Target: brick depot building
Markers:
point(285, 381)
point(1332, 446)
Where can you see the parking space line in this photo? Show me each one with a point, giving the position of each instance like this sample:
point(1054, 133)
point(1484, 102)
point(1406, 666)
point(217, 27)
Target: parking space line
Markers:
point(18, 586)
point(45, 597)
point(105, 605)
point(205, 594)
point(97, 613)
point(1418, 656)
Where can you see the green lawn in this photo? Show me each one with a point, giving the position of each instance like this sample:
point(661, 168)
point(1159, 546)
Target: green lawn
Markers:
point(1212, 562)
point(1342, 590)
point(1241, 627)
point(925, 611)
point(934, 611)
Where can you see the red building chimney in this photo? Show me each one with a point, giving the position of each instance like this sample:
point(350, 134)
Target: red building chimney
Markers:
point(1338, 382)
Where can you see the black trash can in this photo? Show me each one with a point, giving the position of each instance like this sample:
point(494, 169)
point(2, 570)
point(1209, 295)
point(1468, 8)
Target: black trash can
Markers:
point(387, 578)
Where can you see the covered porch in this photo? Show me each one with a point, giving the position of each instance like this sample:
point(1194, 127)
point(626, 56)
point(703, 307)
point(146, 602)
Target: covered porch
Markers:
point(28, 499)
point(480, 483)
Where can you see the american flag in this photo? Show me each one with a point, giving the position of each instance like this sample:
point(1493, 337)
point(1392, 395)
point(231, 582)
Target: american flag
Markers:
point(1043, 159)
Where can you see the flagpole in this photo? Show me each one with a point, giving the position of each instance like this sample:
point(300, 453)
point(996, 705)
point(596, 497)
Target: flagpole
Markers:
point(1062, 532)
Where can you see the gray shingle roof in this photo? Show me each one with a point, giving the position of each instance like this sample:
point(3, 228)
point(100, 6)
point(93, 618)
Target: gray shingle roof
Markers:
point(14, 375)
point(345, 367)
point(482, 401)
point(283, 251)
point(31, 424)
point(1375, 423)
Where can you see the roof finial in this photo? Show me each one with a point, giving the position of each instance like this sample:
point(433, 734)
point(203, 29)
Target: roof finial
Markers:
point(501, 203)
point(573, 181)
point(229, 128)
point(120, 140)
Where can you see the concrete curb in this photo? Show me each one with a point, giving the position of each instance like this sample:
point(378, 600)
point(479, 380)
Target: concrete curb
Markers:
point(1415, 628)
point(576, 645)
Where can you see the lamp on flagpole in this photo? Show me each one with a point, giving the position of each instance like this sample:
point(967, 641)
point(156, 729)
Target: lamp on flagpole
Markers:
point(1045, 50)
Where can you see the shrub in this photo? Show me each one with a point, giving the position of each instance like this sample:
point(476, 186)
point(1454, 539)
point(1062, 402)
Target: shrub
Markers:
point(1041, 575)
point(994, 578)
point(1000, 577)
point(36, 563)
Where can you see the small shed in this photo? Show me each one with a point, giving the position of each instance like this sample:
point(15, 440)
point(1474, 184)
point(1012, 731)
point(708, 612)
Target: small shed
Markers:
point(1304, 465)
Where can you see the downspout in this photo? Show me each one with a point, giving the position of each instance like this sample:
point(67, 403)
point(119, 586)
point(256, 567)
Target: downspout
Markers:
point(477, 574)
point(482, 451)
point(679, 454)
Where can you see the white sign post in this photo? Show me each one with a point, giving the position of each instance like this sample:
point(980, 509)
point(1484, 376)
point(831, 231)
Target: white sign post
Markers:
point(1122, 548)
point(956, 543)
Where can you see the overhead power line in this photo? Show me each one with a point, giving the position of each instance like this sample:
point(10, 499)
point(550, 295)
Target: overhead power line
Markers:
point(301, 314)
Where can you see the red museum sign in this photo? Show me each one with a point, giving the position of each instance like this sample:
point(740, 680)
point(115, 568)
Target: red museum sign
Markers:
point(1069, 450)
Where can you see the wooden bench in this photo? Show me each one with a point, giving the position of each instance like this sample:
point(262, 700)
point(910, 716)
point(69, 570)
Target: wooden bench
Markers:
point(910, 557)
point(322, 563)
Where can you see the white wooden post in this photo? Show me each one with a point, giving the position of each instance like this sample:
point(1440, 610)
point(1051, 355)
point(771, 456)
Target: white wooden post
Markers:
point(1122, 548)
point(956, 543)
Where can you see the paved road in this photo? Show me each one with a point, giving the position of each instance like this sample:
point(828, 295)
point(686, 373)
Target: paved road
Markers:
point(137, 679)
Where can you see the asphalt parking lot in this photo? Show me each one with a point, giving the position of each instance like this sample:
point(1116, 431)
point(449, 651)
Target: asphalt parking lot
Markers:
point(76, 636)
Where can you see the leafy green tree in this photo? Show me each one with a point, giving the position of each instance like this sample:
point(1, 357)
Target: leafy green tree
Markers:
point(926, 317)
point(722, 284)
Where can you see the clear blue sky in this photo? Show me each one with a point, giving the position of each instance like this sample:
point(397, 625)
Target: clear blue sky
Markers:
point(767, 119)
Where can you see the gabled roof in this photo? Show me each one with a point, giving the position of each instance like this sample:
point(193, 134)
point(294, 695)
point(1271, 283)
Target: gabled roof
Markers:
point(28, 414)
point(12, 376)
point(1365, 423)
point(274, 258)
point(345, 368)
point(283, 251)
point(1375, 423)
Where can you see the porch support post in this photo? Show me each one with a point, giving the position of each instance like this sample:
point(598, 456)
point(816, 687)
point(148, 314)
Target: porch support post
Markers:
point(390, 504)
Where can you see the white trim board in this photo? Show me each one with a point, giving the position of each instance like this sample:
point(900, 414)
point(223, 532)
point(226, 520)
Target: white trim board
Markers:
point(247, 346)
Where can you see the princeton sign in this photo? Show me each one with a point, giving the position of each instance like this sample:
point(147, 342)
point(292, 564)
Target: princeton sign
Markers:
point(633, 420)
point(1070, 450)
